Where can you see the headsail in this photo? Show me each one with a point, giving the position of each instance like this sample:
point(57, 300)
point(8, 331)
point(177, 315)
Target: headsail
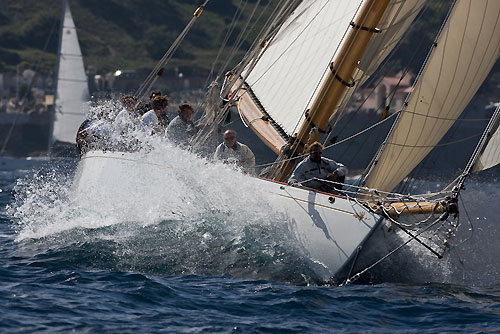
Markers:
point(72, 94)
point(467, 49)
point(490, 157)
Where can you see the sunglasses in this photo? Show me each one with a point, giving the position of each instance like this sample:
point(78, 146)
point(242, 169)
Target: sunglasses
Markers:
point(228, 138)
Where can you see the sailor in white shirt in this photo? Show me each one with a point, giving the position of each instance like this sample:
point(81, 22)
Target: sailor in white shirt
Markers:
point(232, 151)
point(124, 122)
point(150, 119)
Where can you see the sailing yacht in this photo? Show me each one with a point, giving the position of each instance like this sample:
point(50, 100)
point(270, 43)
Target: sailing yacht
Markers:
point(72, 92)
point(294, 87)
point(71, 101)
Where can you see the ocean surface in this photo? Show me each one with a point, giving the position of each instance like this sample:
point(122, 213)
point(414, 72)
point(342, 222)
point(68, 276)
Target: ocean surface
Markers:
point(112, 264)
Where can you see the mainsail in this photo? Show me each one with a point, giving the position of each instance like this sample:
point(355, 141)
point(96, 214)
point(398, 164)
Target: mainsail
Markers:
point(466, 50)
point(72, 95)
point(319, 38)
point(287, 75)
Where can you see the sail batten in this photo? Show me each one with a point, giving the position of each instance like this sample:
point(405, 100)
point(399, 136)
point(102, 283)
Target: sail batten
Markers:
point(466, 50)
point(72, 95)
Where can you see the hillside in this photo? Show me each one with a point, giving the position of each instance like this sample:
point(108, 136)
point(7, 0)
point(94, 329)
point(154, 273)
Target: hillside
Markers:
point(113, 34)
point(134, 34)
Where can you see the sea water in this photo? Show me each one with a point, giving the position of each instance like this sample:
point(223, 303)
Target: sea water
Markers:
point(218, 261)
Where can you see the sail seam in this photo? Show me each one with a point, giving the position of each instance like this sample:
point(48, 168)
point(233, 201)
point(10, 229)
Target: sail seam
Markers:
point(71, 55)
point(72, 80)
point(437, 145)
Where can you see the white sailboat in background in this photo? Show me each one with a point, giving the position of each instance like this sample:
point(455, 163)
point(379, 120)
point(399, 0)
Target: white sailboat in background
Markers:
point(71, 99)
point(72, 92)
point(294, 87)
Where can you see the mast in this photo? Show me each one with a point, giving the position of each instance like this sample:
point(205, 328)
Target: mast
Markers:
point(337, 82)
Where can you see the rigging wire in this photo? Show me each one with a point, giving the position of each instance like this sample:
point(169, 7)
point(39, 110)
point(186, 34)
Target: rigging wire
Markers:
point(463, 174)
point(468, 219)
point(358, 275)
point(229, 32)
point(371, 79)
point(293, 153)
point(246, 37)
point(386, 70)
point(248, 63)
point(475, 155)
point(157, 72)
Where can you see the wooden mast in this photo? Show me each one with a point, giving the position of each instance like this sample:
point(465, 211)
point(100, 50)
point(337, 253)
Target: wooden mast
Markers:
point(337, 82)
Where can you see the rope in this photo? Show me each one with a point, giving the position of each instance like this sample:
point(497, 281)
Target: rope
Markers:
point(232, 25)
point(339, 142)
point(358, 275)
point(248, 63)
point(158, 70)
point(437, 145)
point(482, 142)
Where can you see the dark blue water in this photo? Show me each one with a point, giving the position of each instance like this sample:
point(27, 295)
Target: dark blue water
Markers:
point(67, 270)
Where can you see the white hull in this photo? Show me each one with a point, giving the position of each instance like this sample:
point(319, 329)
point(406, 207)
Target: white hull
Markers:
point(328, 228)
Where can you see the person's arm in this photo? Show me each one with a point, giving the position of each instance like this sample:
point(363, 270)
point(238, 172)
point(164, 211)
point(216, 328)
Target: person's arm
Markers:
point(341, 170)
point(218, 152)
point(249, 161)
point(297, 175)
point(173, 130)
point(338, 171)
point(145, 121)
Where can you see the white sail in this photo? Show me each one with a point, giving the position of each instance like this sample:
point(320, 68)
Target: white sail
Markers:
point(72, 95)
point(291, 68)
point(466, 50)
point(286, 79)
point(490, 157)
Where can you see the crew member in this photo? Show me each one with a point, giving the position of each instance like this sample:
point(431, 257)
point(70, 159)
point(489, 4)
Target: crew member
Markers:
point(312, 170)
point(232, 151)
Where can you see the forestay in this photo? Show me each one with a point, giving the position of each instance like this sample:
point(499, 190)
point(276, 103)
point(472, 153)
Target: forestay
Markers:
point(72, 93)
point(466, 50)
